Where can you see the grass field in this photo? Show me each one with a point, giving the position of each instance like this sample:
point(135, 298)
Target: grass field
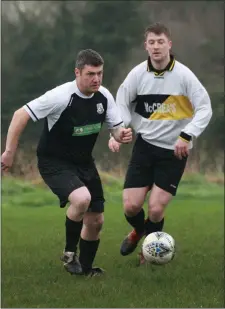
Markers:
point(33, 239)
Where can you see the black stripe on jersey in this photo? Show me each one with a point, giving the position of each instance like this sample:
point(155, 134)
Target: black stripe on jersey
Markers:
point(185, 136)
point(71, 99)
point(32, 112)
point(118, 124)
point(149, 103)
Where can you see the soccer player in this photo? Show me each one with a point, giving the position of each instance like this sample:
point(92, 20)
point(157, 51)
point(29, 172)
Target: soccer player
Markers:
point(168, 107)
point(74, 113)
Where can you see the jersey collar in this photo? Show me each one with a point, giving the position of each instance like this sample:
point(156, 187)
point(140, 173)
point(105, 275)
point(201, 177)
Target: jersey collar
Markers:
point(80, 94)
point(169, 66)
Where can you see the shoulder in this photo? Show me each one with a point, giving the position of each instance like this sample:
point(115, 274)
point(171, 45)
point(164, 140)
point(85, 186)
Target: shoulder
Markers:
point(106, 93)
point(108, 96)
point(61, 92)
point(183, 70)
point(188, 78)
point(135, 73)
point(63, 88)
point(139, 69)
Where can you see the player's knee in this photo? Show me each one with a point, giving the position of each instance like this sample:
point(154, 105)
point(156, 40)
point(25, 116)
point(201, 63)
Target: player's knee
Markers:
point(80, 200)
point(98, 224)
point(95, 225)
point(131, 207)
point(156, 212)
point(156, 215)
point(81, 205)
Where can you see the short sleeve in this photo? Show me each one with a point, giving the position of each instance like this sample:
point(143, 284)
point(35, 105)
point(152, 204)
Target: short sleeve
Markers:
point(113, 118)
point(43, 106)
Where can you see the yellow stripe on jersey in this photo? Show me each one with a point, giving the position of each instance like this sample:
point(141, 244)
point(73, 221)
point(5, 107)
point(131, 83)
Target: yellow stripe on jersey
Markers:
point(175, 107)
point(172, 65)
point(183, 139)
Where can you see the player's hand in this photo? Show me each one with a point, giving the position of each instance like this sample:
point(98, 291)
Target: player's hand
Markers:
point(181, 149)
point(125, 136)
point(114, 146)
point(6, 160)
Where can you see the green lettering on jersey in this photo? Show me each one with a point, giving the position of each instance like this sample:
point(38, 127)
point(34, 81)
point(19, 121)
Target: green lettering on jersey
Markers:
point(86, 130)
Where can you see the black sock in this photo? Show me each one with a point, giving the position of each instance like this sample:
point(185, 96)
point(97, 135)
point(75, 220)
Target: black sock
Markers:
point(88, 250)
point(73, 229)
point(137, 221)
point(151, 227)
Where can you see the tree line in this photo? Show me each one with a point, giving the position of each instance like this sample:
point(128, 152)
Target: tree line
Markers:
point(40, 41)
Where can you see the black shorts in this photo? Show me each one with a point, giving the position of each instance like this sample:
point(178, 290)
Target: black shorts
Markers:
point(150, 165)
point(63, 178)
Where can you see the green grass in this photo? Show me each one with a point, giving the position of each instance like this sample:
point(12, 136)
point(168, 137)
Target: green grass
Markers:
point(33, 239)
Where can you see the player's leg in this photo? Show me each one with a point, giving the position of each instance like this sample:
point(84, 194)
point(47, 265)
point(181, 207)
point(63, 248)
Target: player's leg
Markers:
point(168, 171)
point(79, 202)
point(62, 179)
point(92, 222)
point(157, 203)
point(133, 200)
point(89, 242)
point(138, 181)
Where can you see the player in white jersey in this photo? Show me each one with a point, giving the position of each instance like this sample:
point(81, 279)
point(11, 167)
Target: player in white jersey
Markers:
point(167, 106)
point(74, 114)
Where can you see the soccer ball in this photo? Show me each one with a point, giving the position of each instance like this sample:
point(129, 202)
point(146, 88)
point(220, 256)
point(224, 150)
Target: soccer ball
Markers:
point(158, 248)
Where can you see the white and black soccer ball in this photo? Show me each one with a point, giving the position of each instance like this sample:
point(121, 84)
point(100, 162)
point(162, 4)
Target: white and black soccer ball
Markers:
point(158, 248)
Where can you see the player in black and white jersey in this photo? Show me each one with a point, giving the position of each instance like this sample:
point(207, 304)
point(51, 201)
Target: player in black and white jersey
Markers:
point(74, 114)
point(167, 106)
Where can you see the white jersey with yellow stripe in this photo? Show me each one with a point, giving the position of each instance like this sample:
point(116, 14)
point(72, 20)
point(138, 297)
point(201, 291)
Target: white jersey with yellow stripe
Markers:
point(163, 106)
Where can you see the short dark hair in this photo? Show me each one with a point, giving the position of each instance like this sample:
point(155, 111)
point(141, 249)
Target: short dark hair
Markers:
point(88, 57)
point(158, 28)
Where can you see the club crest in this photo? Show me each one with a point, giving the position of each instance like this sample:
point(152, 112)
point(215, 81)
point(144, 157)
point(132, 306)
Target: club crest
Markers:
point(100, 108)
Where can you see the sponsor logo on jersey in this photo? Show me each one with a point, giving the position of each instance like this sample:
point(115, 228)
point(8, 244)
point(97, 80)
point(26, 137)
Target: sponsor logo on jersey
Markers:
point(87, 130)
point(160, 108)
point(164, 107)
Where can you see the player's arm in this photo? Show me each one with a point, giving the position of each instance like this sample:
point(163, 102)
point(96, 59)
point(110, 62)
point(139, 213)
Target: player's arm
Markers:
point(201, 102)
point(115, 123)
point(126, 94)
point(36, 109)
point(16, 127)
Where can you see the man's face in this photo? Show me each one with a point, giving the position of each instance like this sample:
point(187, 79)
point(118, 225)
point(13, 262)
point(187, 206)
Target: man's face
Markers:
point(89, 78)
point(157, 46)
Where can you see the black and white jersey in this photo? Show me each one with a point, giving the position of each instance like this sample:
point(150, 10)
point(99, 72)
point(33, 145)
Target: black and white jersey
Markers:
point(72, 121)
point(160, 106)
